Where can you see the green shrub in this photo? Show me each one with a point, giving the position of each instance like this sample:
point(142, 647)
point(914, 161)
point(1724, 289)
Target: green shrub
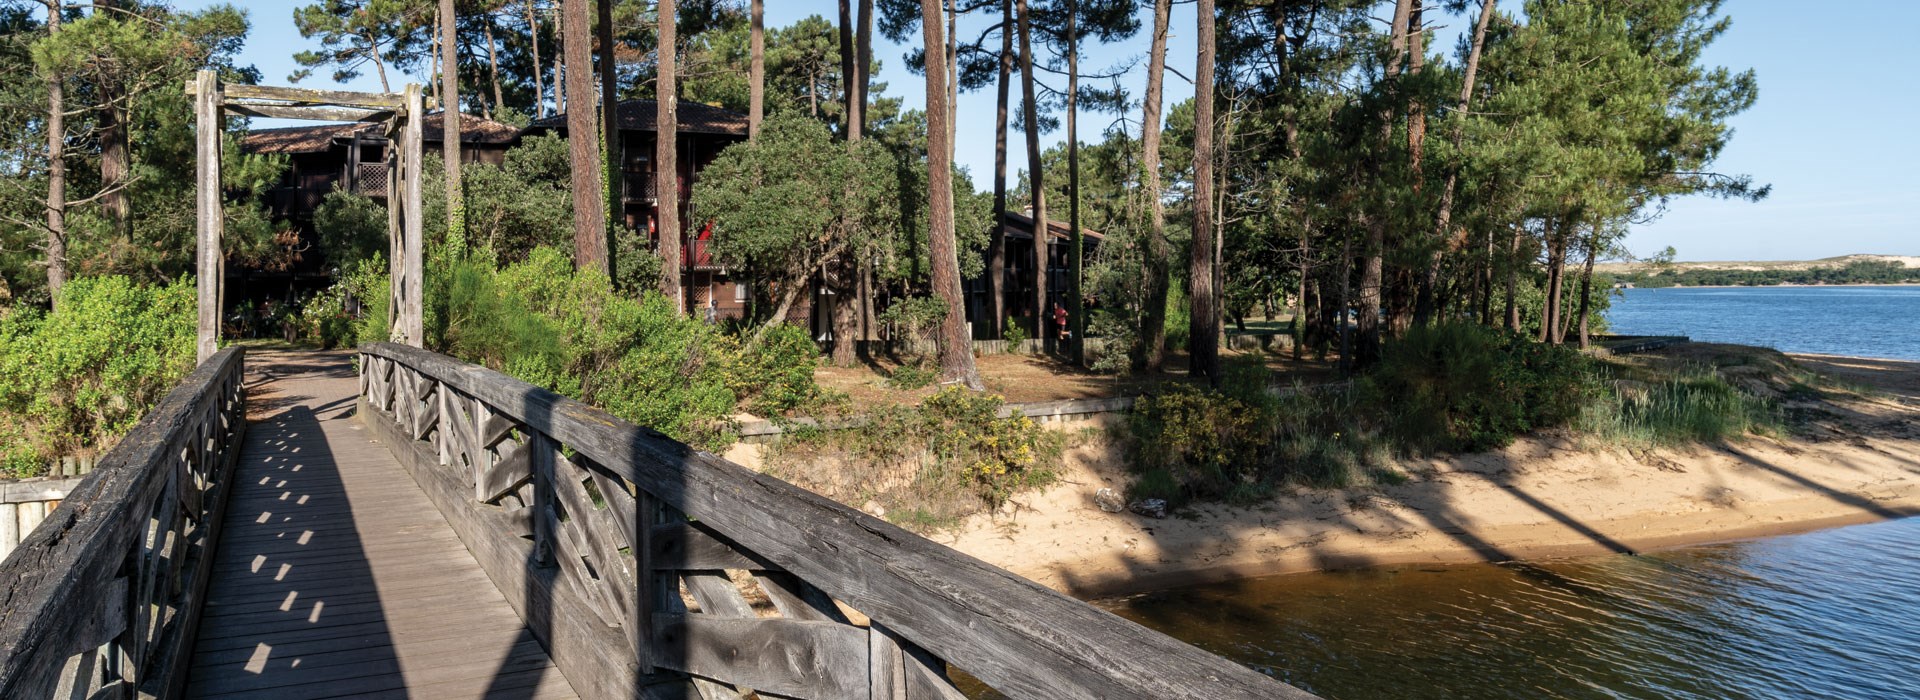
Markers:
point(912, 376)
point(1204, 441)
point(1015, 335)
point(777, 376)
point(1458, 386)
point(914, 317)
point(929, 466)
point(571, 332)
point(1693, 405)
point(75, 380)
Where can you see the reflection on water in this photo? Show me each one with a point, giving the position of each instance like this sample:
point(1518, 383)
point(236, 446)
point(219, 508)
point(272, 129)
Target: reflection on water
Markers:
point(1833, 614)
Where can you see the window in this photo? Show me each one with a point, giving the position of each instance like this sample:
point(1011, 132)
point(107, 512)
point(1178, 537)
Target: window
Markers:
point(739, 292)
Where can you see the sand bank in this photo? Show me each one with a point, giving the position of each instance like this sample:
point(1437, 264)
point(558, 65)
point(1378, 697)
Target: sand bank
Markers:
point(1856, 460)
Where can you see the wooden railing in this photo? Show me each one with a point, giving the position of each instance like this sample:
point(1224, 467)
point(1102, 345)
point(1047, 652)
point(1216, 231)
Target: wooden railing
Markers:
point(645, 565)
point(103, 599)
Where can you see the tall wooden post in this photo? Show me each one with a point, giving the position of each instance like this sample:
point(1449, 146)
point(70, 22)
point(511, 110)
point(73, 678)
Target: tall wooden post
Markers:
point(206, 111)
point(412, 322)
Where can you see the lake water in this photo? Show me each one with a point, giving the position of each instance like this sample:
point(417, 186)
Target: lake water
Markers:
point(1833, 614)
point(1860, 321)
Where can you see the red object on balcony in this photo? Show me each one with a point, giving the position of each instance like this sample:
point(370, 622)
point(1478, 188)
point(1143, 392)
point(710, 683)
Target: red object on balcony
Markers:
point(696, 255)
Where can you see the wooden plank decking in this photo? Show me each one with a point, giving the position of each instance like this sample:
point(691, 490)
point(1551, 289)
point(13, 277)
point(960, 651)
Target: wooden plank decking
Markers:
point(335, 576)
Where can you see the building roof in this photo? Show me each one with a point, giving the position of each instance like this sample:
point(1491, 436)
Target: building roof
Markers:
point(315, 138)
point(1020, 225)
point(638, 115)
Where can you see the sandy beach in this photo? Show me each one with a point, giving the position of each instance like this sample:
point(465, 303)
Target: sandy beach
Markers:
point(1856, 459)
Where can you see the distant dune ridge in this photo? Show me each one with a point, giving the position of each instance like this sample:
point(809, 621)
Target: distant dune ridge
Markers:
point(1910, 261)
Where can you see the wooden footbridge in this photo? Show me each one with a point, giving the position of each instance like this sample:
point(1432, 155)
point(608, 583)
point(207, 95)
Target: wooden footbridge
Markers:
point(395, 523)
point(420, 527)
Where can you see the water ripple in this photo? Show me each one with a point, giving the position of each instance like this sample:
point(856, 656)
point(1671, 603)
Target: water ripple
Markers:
point(1834, 614)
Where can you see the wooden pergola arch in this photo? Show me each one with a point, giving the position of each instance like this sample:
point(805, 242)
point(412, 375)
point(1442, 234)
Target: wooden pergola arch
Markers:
point(402, 113)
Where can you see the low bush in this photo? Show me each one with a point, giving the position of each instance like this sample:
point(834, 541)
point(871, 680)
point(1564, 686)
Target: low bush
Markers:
point(927, 467)
point(1691, 403)
point(1449, 387)
point(73, 381)
point(912, 376)
point(1463, 387)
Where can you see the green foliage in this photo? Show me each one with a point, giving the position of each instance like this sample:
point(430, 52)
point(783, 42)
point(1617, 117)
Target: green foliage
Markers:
point(1205, 442)
point(776, 375)
point(1697, 406)
point(1461, 387)
point(914, 317)
point(509, 210)
point(794, 198)
point(928, 466)
point(1015, 335)
point(569, 331)
point(352, 228)
point(909, 377)
point(77, 379)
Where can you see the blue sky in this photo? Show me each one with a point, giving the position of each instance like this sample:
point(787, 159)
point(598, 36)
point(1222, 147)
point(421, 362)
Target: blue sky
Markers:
point(1825, 132)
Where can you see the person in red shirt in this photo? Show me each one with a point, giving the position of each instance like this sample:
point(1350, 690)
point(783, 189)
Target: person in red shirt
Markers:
point(1060, 319)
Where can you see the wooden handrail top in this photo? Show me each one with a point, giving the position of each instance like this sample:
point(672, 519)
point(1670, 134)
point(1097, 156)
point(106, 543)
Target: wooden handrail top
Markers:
point(87, 575)
point(1022, 638)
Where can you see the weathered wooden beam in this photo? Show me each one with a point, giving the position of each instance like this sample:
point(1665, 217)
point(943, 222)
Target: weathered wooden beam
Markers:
point(412, 320)
point(325, 114)
point(208, 212)
point(378, 100)
point(795, 658)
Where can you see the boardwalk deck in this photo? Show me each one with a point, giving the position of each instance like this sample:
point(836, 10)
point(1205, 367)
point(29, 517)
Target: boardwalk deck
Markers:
point(335, 576)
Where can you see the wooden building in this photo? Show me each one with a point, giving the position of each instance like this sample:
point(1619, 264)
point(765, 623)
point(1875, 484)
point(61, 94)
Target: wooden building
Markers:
point(1019, 273)
point(703, 132)
point(353, 156)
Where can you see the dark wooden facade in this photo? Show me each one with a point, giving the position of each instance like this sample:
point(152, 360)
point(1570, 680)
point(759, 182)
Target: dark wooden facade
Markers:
point(703, 132)
point(353, 157)
point(1020, 277)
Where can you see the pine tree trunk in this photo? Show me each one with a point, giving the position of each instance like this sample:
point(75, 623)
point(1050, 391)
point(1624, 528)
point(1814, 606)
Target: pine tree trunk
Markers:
point(997, 245)
point(1076, 321)
point(611, 148)
point(757, 69)
point(450, 119)
point(1550, 321)
point(666, 157)
point(1372, 271)
point(56, 169)
point(953, 75)
point(1513, 279)
point(1150, 352)
point(539, 89)
point(862, 62)
point(589, 214)
point(846, 69)
point(493, 69)
point(1586, 284)
point(1036, 179)
point(560, 62)
point(1444, 220)
point(956, 348)
point(115, 151)
point(840, 270)
point(1204, 336)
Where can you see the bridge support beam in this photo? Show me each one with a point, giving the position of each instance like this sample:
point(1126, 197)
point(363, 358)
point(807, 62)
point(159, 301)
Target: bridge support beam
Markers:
point(210, 263)
point(404, 115)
